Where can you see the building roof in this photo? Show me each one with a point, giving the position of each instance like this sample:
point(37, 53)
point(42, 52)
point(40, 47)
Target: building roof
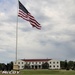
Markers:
point(34, 60)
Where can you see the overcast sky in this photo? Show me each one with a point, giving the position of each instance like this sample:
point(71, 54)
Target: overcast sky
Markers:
point(56, 39)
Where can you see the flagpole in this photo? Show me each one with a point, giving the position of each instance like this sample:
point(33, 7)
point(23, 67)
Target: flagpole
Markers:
point(15, 66)
point(17, 32)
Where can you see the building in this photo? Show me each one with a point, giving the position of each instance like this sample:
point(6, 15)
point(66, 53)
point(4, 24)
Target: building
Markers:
point(37, 63)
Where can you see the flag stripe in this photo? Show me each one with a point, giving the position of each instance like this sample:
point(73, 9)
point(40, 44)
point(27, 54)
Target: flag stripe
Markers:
point(23, 13)
point(35, 23)
point(32, 19)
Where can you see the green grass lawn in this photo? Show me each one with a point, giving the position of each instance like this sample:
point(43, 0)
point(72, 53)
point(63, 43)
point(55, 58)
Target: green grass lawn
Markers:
point(44, 72)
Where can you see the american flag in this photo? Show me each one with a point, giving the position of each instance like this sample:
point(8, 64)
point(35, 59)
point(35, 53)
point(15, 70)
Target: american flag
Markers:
point(24, 13)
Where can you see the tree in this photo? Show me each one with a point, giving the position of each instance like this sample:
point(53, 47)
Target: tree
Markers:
point(66, 65)
point(3, 66)
point(73, 66)
point(9, 66)
point(0, 66)
point(70, 64)
point(45, 66)
point(62, 64)
point(27, 66)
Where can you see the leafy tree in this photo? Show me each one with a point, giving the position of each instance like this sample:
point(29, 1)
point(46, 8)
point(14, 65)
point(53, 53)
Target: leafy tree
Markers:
point(10, 66)
point(3, 66)
point(0, 66)
point(27, 66)
point(73, 66)
point(70, 64)
point(66, 65)
point(62, 64)
point(45, 66)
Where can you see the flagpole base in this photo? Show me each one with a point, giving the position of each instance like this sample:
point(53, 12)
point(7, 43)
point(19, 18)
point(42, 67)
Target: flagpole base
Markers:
point(16, 67)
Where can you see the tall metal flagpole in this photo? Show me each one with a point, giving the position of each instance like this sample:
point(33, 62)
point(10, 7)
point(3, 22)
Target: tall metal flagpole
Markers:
point(17, 31)
point(15, 66)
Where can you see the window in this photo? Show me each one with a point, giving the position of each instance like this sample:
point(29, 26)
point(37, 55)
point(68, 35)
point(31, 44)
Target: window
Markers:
point(18, 62)
point(50, 65)
point(22, 66)
point(36, 62)
point(22, 62)
point(54, 66)
point(53, 62)
point(29, 62)
point(50, 62)
point(57, 62)
point(57, 66)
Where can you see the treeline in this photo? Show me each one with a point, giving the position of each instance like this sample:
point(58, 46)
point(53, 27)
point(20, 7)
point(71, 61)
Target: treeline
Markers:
point(63, 65)
point(6, 67)
point(67, 65)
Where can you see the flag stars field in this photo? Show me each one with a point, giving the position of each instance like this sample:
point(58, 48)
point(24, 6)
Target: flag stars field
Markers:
point(55, 39)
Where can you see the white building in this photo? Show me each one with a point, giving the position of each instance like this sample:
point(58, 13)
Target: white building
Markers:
point(37, 63)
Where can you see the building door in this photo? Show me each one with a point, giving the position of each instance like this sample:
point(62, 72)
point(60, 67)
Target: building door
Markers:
point(35, 66)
